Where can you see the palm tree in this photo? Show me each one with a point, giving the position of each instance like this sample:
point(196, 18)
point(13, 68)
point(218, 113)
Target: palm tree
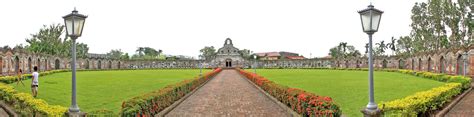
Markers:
point(140, 51)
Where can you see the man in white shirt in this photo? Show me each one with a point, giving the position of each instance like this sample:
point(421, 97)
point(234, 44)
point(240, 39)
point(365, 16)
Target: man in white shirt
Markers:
point(34, 82)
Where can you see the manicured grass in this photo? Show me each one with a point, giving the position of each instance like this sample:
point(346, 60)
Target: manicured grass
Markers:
point(349, 89)
point(105, 89)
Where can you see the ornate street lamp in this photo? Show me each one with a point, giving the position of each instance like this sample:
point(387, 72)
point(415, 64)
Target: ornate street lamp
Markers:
point(74, 24)
point(370, 19)
point(464, 57)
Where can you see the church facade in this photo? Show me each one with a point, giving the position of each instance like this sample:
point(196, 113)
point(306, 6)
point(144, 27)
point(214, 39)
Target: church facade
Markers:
point(228, 56)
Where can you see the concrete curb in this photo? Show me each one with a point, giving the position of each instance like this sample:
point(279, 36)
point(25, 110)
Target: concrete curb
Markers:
point(283, 106)
point(176, 103)
point(7, 109)
point(453, 103)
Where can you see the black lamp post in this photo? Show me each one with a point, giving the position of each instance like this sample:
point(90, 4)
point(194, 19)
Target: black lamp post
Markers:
point(370, 19)
point(74, 24)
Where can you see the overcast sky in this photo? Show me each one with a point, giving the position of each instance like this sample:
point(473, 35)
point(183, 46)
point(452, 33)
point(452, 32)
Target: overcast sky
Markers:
point(182, 27)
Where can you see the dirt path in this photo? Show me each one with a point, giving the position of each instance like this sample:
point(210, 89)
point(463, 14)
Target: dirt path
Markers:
point(228, 94)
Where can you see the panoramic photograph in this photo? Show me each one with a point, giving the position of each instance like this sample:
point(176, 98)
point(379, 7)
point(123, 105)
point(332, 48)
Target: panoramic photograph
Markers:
point(236, 58)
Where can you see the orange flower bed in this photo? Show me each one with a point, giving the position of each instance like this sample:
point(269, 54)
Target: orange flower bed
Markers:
point(304, 103)
point(152, 103)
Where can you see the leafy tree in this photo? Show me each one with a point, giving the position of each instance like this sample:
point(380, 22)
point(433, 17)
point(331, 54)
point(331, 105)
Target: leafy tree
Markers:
point(117, 54)
point(148, 53)
point(208, 52)
point(392, 46)
point(343, 51)
point(380, 48)
point(245, 53)
point(48, 40)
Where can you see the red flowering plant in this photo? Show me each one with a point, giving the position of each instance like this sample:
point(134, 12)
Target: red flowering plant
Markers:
point(152, 103)
point(304, 103)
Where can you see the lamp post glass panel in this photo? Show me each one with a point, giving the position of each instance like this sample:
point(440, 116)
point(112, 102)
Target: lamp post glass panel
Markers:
point(74, 24)
point(370, 19)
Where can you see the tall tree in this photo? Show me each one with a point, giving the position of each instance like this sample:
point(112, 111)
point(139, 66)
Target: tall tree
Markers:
point(245, 53)
point(208, 52)
point(48, 40)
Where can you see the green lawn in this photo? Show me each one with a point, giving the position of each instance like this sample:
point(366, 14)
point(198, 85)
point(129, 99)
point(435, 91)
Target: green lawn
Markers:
point(105, 89)
point(349, 89)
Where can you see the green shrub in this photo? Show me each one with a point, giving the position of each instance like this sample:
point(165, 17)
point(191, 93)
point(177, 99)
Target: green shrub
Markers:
point(26, 105)
point(421, 102)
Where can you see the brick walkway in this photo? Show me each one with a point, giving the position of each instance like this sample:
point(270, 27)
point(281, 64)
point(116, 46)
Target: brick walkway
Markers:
point(464, 108)
point(228, 94)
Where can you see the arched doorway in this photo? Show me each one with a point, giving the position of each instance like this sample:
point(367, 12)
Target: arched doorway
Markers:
point(29, 65)
point(99, 64)
point(57, 64)
point(419, 64)
point(429, 64)
point(87, 64)
point(459, 65)
point(412, 64)
point(118, 65)
point(38, 64)
point(228, 63)
point(1, 65)
point(384, 63)
point(357, 64)
point(347, 64)
point(442, 65)
point(401, 64)
point(17, 64)
point(110, 65)
point(46, 64)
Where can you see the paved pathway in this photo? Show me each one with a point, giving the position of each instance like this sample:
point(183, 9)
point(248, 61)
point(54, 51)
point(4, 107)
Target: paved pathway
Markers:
point(464, 108)
point(228, 94)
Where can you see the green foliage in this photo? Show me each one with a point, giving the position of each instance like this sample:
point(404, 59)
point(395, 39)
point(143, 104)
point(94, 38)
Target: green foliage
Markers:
point(246, 54)
point(48, 41)
point(208, 52)
point(431, 22)
point(147, 53)
point(152, 103)
point(25, 105)
point(421, 102)
point(117, 54)
point(343, 50)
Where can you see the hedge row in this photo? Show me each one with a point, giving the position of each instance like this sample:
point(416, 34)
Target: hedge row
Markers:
point(465, 81)
point(421, 103)
point(25, 105)
point(304, 103)
point(12, 79)
point(152, 103)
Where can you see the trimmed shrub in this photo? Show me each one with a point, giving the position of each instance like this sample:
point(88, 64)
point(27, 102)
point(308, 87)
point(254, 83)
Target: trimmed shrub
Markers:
point(421, 102)
point(304, 103)
point(26, 105)
point(152, 103)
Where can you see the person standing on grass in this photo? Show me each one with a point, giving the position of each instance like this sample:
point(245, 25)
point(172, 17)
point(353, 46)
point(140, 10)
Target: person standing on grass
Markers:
point(20, 78)
point(34, 82)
